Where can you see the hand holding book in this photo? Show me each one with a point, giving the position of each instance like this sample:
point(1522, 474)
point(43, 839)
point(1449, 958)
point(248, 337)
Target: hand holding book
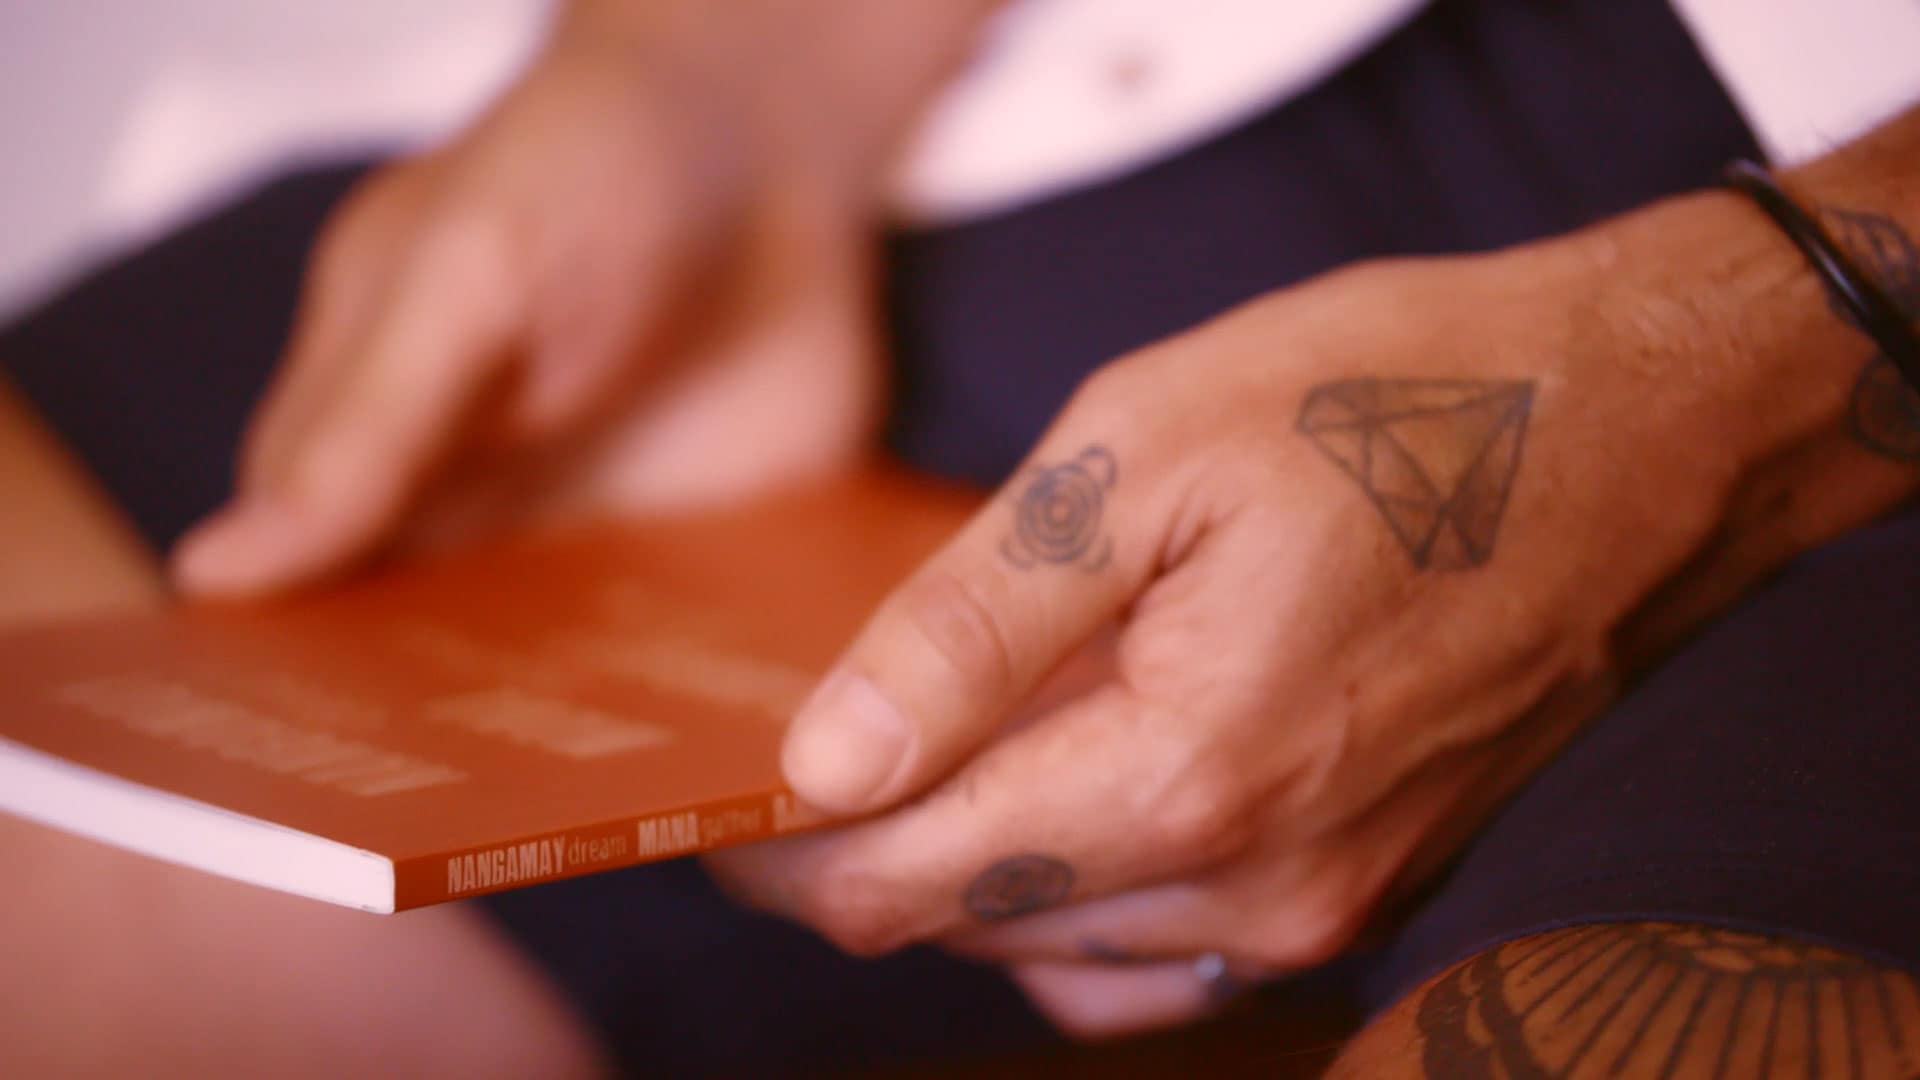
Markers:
point(1371, 550)
point(604, 296)
point(1366, 573)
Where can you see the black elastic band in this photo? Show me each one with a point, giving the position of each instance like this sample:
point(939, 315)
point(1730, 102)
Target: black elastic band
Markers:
point(1872, 310)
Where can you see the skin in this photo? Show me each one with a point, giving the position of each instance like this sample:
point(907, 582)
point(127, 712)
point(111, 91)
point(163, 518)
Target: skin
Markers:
point(119, 965)
point(1296, 692)
point(1312, 691)
point(66, 551)
point(580, 303)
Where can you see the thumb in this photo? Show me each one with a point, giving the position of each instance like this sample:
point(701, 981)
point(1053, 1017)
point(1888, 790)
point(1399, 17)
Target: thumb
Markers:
point(937, 668)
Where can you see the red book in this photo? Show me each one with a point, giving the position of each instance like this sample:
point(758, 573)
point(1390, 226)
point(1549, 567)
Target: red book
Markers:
point(536, 708)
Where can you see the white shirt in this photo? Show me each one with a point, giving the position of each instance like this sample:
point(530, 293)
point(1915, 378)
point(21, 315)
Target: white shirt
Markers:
point(1071, 92)
point(126, 118)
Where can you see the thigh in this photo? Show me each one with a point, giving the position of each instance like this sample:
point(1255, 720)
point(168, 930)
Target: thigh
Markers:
point(1759, 782)
point(1648, 999)
point(64, 549)
point(117, 965)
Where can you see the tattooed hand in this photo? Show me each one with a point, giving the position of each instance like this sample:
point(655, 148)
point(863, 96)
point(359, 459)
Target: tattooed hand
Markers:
point(1342, 542)
point(653, 250)
point(1336, 572)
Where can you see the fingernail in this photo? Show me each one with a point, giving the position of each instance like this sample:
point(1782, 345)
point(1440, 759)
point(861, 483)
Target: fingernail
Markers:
point(235, 550)
point(845, 745)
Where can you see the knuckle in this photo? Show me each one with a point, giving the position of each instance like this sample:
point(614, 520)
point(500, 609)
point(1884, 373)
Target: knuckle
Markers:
point(1308, 929)
point(372, 215)
point(1318, 772)
point(1199, 813)
point(1089, 1010)
point(1087, 1019)
point(470, 252)
point(1139, 402)
point(962, 628)
point(1113, 387)
point(1068, 1011)
point(1075, 1019)
point(341, 262)
point(853, 910)
point(1103, 385)
point(337, 256)
point(1526, 617)
point(743, 886)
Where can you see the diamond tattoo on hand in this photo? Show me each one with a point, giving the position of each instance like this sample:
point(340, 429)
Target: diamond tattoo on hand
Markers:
point(1436, 457)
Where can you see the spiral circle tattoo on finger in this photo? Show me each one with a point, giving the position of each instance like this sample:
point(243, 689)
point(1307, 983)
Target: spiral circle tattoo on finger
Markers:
point(1057, 513)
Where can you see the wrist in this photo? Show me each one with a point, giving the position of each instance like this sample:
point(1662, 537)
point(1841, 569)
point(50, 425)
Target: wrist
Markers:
point(1733, 331)
point(1737, 343)
point(1719, 317)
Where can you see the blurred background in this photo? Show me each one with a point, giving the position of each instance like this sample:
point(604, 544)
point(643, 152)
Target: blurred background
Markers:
point(120, 119)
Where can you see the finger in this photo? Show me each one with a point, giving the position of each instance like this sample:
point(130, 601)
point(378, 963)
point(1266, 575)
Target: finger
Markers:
point(623, 294)
point(1290, 916)
point(1095, 1001)
point(1040, 846)
point(422, 366)
point(350, 273)
point(1157, 924)
point(939, 665)
point(1044, 817)
point(1286, 904)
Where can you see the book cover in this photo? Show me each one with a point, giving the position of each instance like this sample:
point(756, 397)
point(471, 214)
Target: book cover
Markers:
point(527, 710)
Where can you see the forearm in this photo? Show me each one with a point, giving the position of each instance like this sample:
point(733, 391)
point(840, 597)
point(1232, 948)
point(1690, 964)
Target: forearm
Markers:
point(1734, 335)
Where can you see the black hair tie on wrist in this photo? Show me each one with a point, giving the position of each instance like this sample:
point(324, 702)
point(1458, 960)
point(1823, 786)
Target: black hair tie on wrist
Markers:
point(1872, 310)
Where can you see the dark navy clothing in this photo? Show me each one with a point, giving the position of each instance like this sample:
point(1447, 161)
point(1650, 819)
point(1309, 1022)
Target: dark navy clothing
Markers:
point(1763, 779)
point(1759, 779)
point(1482, 124)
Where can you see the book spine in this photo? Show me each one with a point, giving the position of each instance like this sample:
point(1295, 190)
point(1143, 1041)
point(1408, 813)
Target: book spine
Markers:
point(590, 849)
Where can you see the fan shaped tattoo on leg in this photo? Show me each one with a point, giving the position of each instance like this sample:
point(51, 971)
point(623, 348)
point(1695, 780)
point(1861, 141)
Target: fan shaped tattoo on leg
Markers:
point(1057, 513)
point(1667, 1001)
point(1436, 457)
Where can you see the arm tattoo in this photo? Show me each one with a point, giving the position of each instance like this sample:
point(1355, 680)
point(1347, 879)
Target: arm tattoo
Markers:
point(1056, 518)
point(1436, 457)
point(1018, 886)
point(1670, 1002)
point(1884, 412)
